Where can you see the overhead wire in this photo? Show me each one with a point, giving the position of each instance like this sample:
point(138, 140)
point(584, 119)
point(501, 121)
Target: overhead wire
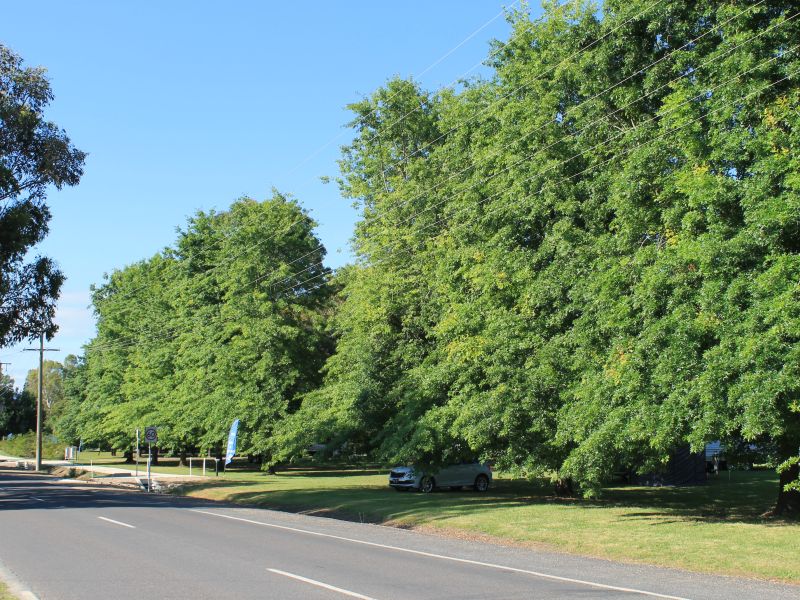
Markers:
point(430, 67)
point(438, 222)
point(320, 246)
point(569, 111)
point(703, 93)
point(420, 74)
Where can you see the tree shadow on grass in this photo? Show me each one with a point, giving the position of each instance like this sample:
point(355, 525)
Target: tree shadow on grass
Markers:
point(741, 499)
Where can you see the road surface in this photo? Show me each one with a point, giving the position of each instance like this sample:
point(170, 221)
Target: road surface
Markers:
point(63, 540)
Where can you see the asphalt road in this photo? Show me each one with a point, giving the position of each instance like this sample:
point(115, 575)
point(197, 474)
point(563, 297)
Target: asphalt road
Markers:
point(64, 540)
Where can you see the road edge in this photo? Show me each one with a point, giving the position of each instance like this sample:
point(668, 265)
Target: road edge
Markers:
point(15, 586)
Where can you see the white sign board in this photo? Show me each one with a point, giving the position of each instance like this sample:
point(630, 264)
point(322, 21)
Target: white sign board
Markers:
point(150, 435)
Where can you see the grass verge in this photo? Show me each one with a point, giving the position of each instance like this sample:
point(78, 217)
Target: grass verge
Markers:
point(715, 528)
point(5, 593)
point(24, 446)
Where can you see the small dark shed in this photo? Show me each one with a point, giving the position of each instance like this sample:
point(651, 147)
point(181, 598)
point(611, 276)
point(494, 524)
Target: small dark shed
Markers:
point(684, 468)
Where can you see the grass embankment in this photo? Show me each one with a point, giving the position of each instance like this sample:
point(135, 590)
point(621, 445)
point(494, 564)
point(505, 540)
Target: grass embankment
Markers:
point(5, 593)
point(714, 528)
point(24, 446)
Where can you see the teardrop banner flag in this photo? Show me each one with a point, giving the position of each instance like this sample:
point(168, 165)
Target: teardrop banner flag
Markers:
point(234, 432)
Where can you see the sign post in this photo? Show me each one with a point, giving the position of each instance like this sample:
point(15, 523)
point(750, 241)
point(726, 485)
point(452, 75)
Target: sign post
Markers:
point(137, 452)
point(151, 437)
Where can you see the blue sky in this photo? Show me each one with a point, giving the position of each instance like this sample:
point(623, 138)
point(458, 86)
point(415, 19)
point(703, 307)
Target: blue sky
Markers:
point(186, 106)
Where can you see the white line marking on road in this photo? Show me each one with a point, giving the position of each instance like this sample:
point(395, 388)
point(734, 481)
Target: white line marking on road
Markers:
point(117, 522)
point(450, 558)
point(37, 499)
point(320, 584)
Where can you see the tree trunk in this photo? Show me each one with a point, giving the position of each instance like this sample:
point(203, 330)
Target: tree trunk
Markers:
point(129, 456)
point(184, 462)
point(113, 452)
point(788, 502)
point(154, 455)
point(564, 487)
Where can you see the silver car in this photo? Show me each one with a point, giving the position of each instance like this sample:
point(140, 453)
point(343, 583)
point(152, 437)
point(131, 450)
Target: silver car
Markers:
point(475, 474)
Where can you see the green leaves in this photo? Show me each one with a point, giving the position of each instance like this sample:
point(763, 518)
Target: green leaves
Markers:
point(34, 154)
point(593, 263)
point(571, 268)
point(225, 325)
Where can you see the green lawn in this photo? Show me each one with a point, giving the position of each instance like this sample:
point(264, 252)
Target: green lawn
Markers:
point(23, 447)
point(712, 528)
point(166, 464)
point(4, 593)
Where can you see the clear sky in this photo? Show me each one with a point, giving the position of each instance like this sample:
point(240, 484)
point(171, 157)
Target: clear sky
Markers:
point(186, 106)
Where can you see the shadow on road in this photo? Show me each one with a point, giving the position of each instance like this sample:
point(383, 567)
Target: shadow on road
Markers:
point(23, 490)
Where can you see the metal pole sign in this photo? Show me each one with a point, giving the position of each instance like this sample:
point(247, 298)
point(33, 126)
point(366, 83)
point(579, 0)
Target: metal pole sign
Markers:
point(137, 452)
point(151, 437)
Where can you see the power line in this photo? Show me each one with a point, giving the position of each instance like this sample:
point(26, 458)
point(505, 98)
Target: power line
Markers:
point(420, 74)
point(41, 350)
point(430, 67)
point(702, 94)
point(438, 222)
point(575, 156)
point(325, 272)
point(572, 134)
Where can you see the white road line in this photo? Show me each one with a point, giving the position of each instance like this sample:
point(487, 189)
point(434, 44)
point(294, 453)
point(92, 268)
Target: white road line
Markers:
point(117, 522)
point(320, 584)
point(450, 558)
point(37, 499)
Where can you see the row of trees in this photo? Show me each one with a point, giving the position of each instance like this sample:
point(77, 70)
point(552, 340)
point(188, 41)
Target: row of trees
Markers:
point(580, 264)
point(215, 328)
point(18, 406)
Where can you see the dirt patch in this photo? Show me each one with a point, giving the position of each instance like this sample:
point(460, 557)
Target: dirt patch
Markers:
point(69, 473)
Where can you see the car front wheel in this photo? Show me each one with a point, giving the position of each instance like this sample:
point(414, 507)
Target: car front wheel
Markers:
point(481, 483)
point(426, 485)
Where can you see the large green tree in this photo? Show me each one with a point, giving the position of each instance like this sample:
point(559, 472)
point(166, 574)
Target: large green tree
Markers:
point(34, 155)
point(17, 408)
point(222, 326)
point(52, 385)
point(584, 262)
point(64, 417)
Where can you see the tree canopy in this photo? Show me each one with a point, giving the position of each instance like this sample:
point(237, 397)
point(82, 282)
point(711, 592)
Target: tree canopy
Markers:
point(34, 155)
point(584, 262)
point(17, 408)
point(218, 327)
point(578, 265)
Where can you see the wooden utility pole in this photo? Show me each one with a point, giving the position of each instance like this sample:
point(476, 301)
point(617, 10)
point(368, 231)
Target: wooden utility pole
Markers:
point(41, 351)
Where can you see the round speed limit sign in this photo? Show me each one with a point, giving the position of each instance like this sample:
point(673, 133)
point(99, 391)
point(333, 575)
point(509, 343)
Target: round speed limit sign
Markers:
point(150, 435)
